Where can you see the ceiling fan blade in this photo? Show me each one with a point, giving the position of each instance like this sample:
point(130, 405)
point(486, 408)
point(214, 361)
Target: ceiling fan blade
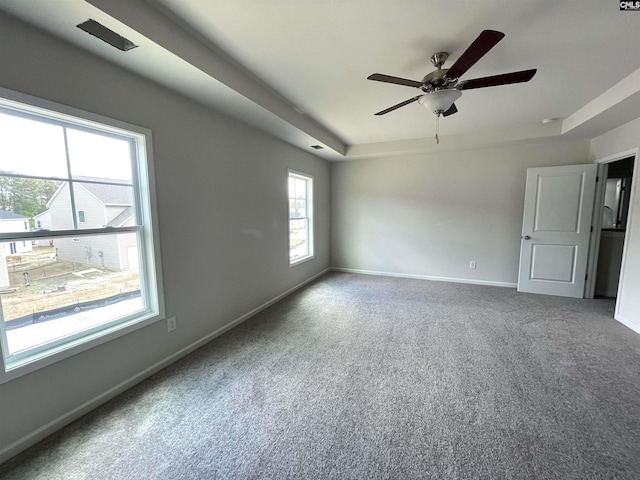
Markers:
point(379, 77)
point(478, 49)
point(452, 109)
point(391, 109)
point(504, 79)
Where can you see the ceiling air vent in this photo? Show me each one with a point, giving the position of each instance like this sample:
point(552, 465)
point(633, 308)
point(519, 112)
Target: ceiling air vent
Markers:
point(106, 35)
point(317, 147)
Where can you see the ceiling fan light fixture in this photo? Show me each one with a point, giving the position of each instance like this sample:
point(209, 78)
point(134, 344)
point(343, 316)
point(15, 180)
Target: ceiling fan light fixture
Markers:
point(439, 101)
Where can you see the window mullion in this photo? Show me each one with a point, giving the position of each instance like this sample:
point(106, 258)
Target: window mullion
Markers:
point(137, 203)
point(71, 193)
point(12, 236)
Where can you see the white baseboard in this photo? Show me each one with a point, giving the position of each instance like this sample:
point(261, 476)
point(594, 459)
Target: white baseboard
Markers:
point(45, 430)
point(633, 326)
point(427, 277)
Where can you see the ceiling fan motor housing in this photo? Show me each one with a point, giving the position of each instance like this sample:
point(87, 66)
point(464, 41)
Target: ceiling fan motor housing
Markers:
point(436, 80)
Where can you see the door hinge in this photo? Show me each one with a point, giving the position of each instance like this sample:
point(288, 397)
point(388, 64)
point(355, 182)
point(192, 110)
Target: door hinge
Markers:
point(597, 179)
point(586, 276)
point(591, 228)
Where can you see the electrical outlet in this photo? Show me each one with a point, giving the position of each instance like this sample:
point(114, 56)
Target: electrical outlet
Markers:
point(172, 324)
point(473, 264)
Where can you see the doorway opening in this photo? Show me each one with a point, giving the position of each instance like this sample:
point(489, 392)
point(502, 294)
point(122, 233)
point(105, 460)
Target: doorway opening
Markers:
point(615, 210)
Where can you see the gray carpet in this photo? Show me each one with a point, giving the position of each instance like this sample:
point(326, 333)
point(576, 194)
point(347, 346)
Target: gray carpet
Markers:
point(362, 377)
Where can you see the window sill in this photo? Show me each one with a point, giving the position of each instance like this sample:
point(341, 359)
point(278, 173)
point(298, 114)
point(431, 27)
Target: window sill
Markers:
point(45, 358)
point(298, 261)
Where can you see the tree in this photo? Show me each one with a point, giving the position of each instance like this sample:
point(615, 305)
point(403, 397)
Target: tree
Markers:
point(25, 196)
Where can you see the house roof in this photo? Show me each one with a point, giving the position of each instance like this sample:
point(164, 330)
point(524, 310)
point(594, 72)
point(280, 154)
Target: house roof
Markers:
point(7, 215)
point(110, 194)
point(107, 194)
point(42, 214)
point(122, 218)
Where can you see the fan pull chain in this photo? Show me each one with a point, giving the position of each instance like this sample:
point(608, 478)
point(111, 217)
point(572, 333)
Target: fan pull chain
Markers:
point(437, 129)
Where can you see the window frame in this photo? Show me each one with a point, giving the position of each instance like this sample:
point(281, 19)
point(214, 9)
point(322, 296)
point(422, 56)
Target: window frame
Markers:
point(309, 217)
point(147, 233)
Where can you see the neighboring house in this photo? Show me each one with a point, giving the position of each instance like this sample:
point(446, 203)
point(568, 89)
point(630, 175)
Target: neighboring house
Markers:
point(96, 206)
point(13, 222)
point(42, 221)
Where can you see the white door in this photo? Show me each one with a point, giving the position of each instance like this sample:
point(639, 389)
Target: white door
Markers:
point(556, 227)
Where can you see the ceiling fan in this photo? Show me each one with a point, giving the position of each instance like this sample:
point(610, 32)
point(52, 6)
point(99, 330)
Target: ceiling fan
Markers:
point(442, 87)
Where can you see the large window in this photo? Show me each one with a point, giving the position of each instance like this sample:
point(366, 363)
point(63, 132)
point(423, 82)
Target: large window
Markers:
point(87, 269)
point(300, 217)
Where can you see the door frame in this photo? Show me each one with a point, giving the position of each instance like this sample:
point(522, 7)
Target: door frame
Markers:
point(594, 248)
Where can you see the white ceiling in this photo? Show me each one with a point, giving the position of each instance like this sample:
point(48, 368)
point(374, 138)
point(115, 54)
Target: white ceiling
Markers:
point(297, 68)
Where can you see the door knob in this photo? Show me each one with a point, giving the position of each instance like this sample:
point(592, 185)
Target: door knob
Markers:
point(527, 237)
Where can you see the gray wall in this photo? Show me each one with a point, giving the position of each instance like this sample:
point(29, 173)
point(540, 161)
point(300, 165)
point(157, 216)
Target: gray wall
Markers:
point(222, 205)
point(431, 214)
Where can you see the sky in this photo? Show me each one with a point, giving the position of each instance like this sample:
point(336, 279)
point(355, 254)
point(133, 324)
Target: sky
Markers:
point(37, 148)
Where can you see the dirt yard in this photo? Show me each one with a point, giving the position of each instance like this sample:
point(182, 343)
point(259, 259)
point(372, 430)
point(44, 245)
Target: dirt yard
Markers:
point(54, 284)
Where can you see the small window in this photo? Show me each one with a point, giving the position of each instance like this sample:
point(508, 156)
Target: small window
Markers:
point(300, 217)
point(101, 279)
